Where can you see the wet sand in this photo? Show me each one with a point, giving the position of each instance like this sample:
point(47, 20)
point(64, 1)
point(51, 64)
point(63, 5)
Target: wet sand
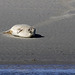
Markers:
point(55, 24)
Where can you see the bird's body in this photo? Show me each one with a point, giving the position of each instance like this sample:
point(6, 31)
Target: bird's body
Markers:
point(21, 30)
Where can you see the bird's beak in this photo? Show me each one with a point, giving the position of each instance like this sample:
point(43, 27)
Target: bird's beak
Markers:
point(8, 32)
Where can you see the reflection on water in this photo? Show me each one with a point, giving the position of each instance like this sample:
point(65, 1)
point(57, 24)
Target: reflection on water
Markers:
point(37, 69)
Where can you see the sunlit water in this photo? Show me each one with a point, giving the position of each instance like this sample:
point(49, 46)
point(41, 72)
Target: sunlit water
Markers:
point(37, 69)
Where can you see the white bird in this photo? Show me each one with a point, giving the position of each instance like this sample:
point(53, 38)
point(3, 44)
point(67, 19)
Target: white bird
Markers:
point(21, 30)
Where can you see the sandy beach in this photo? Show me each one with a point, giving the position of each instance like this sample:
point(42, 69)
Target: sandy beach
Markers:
point(54, 21)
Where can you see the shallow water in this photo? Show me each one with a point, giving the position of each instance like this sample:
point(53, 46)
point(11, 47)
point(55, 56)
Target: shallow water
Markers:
point(37, 69)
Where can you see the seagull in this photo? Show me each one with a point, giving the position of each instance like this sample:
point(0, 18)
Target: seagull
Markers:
point(21, 30)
